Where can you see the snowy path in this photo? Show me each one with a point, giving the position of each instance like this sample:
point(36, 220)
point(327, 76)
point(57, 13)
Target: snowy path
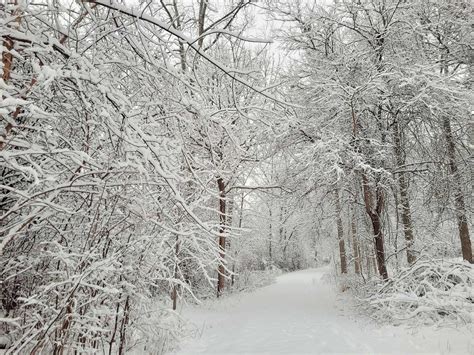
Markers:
point(300, 314)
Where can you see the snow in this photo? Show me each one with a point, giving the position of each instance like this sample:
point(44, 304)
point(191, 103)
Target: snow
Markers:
point(302, 313)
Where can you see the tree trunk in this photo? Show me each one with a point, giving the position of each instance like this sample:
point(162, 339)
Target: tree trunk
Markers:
point(458, 195)
point(404, 200)
point(459, 204)
point(174, 295)
point(373, 258)
point(374, 215)
point(340, 235)
point(368, 263)
point(182, 50)
point(222, 230)
point(7, 61)
point(379, 246)
point(355, 244)
point(270, 256)
point(201, 19)
point(373, 211)
point(239, 226)
point(123, 328)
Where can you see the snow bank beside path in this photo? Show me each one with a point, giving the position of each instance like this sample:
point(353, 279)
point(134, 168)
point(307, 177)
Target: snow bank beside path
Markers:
point(301, 314)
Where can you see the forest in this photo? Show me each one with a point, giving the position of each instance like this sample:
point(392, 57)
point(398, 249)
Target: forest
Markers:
point(157, 155)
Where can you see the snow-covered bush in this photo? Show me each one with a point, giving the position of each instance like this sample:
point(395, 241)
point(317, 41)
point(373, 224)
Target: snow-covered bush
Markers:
point(156, 331)
point(430, 291)
point(94, 202)
point(249, 280)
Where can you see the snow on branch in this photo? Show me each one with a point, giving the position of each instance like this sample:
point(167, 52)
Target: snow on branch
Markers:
point(231, 72)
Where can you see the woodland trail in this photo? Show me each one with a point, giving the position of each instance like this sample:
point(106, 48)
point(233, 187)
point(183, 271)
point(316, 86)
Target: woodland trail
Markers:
point(301, 314)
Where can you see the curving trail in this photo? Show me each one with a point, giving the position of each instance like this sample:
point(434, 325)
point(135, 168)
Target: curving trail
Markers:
point(301, 314)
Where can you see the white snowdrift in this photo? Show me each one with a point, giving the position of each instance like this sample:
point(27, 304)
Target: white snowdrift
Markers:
point(431, 292)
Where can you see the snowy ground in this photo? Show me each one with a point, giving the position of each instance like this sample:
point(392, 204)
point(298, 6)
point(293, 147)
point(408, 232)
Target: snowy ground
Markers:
point(301, 314)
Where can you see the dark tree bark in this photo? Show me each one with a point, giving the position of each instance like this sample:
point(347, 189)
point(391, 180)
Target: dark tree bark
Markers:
point(340, 234)
point(222, 239)
point(374, 211)
point(459, 204)
point(270, 237)
point(201, 19)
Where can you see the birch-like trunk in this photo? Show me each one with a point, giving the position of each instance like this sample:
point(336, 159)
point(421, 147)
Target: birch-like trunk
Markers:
point(340, 234)
point(404, 205)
